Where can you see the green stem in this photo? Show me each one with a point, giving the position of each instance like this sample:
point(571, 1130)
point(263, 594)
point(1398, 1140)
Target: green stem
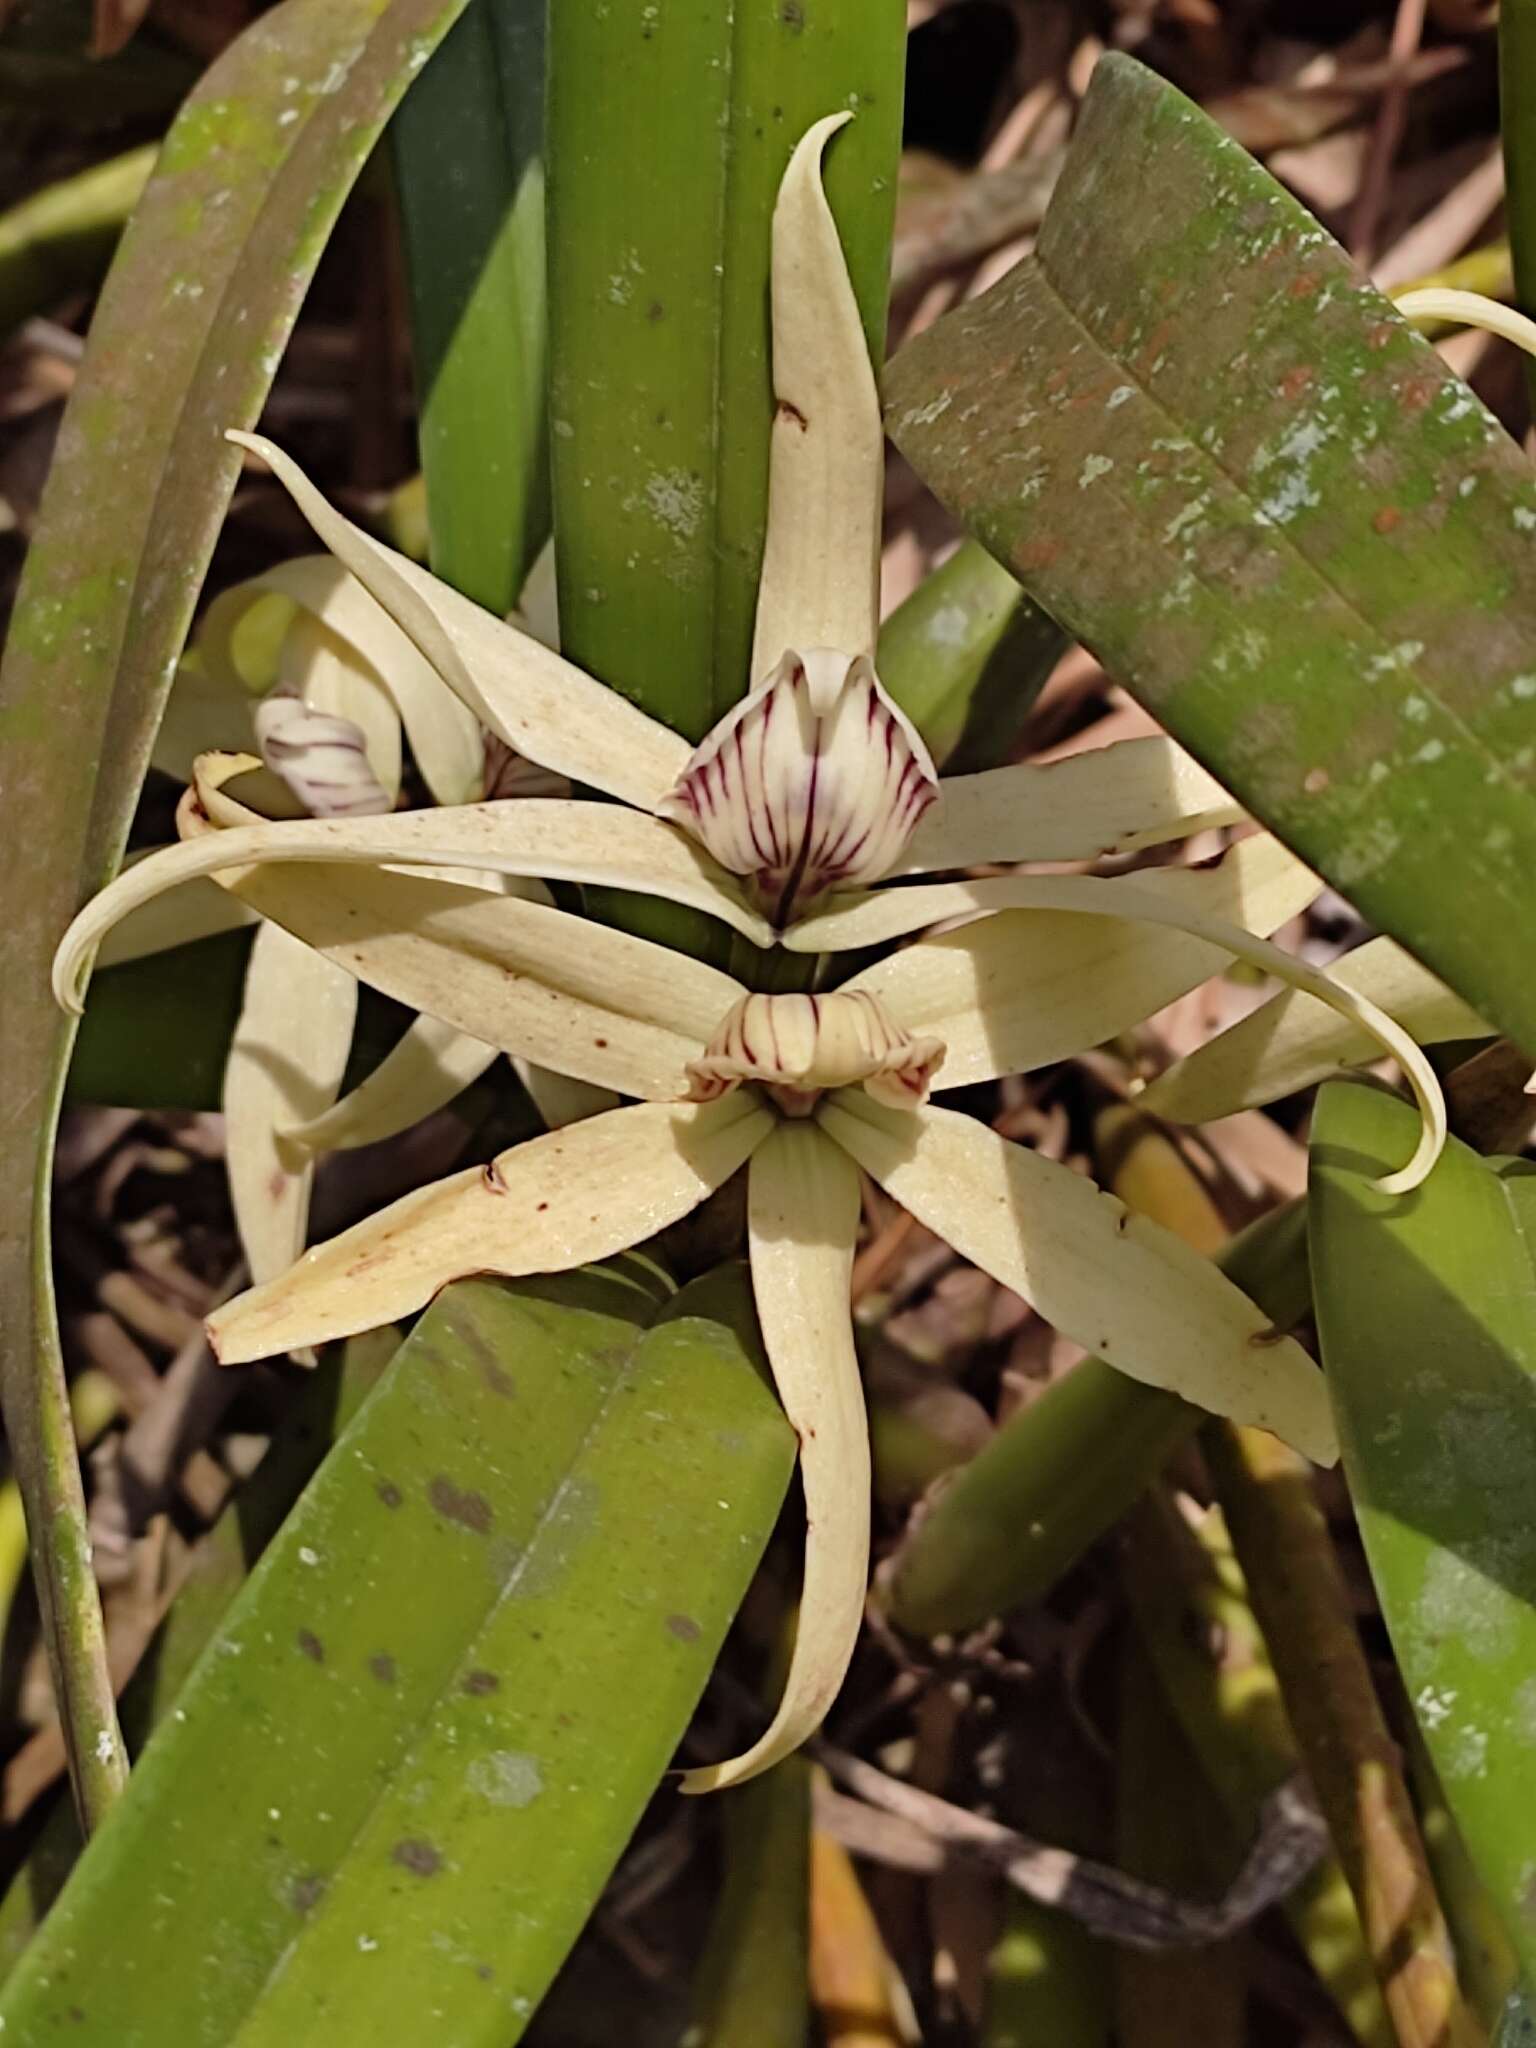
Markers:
point(1193, 1616)
point(965, 656)
point(1068, 1466)
point(59, 240)
point(41, 1433)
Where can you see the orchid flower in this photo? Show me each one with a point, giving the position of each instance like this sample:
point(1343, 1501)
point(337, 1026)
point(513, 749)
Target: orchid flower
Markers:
point(783, 822)
point(815, 788)
point(302, 659)
point(803, 1089)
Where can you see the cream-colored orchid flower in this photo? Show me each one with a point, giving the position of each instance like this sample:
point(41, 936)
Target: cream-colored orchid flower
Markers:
point(303, 658)
point(802, 1089)
point(805, 1088)
point(815, 786)
point(816, 782)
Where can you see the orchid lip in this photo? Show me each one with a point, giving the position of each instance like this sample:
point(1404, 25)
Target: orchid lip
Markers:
point(796, 1047)
point(815, 781)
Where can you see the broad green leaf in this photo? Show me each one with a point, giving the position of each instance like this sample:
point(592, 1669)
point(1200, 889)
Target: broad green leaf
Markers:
point(660, 395)
point(467, 145)
point(324, 1403)
point(1427, 1313)
point(1220, 460)
point(156, 1032)
point(396, 1780)
point(187, 334)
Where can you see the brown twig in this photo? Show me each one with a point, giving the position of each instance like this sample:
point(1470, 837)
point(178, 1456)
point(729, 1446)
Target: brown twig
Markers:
point(1292, 1838)
point(1302, 1604)
point(1407, 32)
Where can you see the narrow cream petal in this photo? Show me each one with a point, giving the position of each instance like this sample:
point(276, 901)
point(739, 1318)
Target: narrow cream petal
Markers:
point(428, 1067)
point(1017, 990)
point(802, 1219)
point(1115, 1282)
point(285, 1063)
point(538, 602)
point(555, 1202)
point(587, 1001)
point(196, 912)
point(544, 706)
point(1115, 799)
point(1468, 309)
point(444, 732)
point(1138, 896)
point(1143, 900)
point(1295, 1040)
point(819, 584)
point(546, 837)
point(559, 1099)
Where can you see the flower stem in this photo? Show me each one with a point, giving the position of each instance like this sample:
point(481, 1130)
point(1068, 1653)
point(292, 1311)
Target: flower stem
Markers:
point(1302, 1603)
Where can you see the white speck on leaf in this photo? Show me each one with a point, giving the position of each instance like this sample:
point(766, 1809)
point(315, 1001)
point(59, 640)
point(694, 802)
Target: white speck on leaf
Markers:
point(506, 1777)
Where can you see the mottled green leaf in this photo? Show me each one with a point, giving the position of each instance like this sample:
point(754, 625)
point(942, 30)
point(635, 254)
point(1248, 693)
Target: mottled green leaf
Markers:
point(1427, 1313)
point(1218, 457)
point(187, 335)
point(323, 1405)
point(391, 1790)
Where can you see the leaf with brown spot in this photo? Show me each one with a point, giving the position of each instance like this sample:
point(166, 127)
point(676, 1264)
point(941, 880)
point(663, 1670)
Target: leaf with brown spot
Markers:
point(1326, 592)
point(485, 1772)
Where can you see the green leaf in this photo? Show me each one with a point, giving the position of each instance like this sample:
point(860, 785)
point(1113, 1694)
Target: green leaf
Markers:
point(156, 1032)
point(399, 1775)
point(186, 337)
point(1005, 1527)
point(965, 656)
point(468, 151)
point(58, 240)
point(660, 394)
point(1427, 1313)
point(323, 1405)
point(1222, 462)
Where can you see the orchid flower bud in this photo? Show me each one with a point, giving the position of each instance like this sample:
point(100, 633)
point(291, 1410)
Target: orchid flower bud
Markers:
point(815, 781)
point(322, 758)
point(798, 1046)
